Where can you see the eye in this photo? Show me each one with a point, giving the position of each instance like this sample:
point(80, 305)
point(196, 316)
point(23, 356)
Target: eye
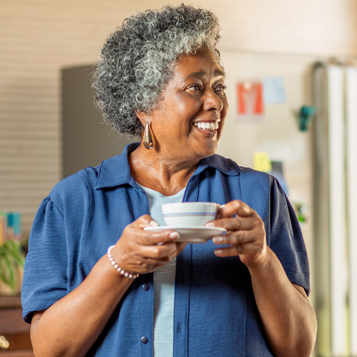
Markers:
point(195, 87)
point(220, 89)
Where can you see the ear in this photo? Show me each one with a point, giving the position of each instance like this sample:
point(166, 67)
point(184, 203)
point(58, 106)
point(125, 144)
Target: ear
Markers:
point(143, 117)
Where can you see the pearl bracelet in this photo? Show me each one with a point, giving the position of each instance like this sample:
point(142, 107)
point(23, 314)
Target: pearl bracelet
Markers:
point(117, 267)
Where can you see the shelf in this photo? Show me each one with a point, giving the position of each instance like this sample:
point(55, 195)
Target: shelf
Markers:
point(14, 329)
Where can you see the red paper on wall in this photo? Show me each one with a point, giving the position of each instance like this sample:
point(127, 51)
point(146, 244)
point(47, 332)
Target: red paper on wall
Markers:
point(250, 101)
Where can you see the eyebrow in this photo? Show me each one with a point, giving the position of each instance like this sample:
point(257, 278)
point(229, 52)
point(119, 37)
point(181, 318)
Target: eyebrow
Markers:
point(217, 73)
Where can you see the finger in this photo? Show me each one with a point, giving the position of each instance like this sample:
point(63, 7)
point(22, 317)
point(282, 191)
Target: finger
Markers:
point(234, 223)
point(179, 248)
point(148, 238)
point(164, 255)
point(235, 207)
point(145, 221)
point(142, 265)
point(162, 261)
point(240, 249)
point(136, 233)
point(229, 251)
point(234, 238)
point(159, 251)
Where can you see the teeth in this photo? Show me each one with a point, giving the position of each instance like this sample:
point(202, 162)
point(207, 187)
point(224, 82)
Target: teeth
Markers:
point(207, 126)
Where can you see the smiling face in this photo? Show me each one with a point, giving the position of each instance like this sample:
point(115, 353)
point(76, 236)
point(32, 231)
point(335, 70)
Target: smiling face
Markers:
point(188, 121)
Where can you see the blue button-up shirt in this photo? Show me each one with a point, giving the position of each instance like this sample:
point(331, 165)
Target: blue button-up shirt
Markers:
point(215, 313)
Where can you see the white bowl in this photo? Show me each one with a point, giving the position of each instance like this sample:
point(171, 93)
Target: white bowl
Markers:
point(189, 214)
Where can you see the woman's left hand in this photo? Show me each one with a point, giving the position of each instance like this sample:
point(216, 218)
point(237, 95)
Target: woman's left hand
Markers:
point(245, 233)
point(287, 316)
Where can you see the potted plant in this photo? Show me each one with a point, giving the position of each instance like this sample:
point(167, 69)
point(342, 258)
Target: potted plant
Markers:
point(12, 261)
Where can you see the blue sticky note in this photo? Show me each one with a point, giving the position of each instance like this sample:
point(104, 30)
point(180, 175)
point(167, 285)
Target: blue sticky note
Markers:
point(274, 90)
point(14, 221)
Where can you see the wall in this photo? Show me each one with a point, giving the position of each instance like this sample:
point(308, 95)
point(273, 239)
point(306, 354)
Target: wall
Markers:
point(39, 37)
point(279, 133)
point(259, 38)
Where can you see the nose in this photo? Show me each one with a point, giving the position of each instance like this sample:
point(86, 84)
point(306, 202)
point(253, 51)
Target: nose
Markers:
point(212, 101)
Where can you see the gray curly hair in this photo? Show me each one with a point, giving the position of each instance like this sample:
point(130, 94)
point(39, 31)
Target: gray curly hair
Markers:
point(137, 60)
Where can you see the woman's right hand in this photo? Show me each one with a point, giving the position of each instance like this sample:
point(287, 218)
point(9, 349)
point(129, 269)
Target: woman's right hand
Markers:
point(140, 251)
point(91, 304)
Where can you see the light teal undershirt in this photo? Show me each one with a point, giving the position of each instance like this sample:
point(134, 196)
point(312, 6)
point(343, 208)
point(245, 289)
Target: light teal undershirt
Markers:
point(164, 282)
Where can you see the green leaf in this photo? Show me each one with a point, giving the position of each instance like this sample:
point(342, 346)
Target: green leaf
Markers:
point(8, 272)
point(3, 269)
point(11, 258)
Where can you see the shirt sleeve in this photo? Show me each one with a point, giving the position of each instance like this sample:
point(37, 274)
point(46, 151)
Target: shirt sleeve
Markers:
point(286, 239)
point(45, 278)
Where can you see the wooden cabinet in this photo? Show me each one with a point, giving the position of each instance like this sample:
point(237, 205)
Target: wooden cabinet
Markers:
point(13, 331)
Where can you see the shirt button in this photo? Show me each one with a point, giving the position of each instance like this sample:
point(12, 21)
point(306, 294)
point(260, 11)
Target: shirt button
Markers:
point(145, 287)
point(144, 339)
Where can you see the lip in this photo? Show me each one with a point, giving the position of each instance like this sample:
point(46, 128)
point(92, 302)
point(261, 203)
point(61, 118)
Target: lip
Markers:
point(206, 120)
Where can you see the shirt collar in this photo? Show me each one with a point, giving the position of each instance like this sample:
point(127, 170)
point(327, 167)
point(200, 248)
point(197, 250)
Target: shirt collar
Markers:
point(116, 170)
point(226, 166)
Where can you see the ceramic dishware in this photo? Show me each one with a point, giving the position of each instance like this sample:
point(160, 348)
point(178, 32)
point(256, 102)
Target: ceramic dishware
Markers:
point(189, 214)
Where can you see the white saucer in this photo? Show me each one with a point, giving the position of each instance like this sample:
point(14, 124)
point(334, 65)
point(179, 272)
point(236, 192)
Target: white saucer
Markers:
point(196, 234)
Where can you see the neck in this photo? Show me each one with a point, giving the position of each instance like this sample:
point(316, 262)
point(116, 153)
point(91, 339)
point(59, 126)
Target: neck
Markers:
point(161, 173)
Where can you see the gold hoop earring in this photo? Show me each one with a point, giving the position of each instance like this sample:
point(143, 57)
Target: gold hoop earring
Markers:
point(149, 141)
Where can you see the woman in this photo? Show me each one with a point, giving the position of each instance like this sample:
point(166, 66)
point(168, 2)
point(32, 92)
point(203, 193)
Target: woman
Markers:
point(240, 294)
